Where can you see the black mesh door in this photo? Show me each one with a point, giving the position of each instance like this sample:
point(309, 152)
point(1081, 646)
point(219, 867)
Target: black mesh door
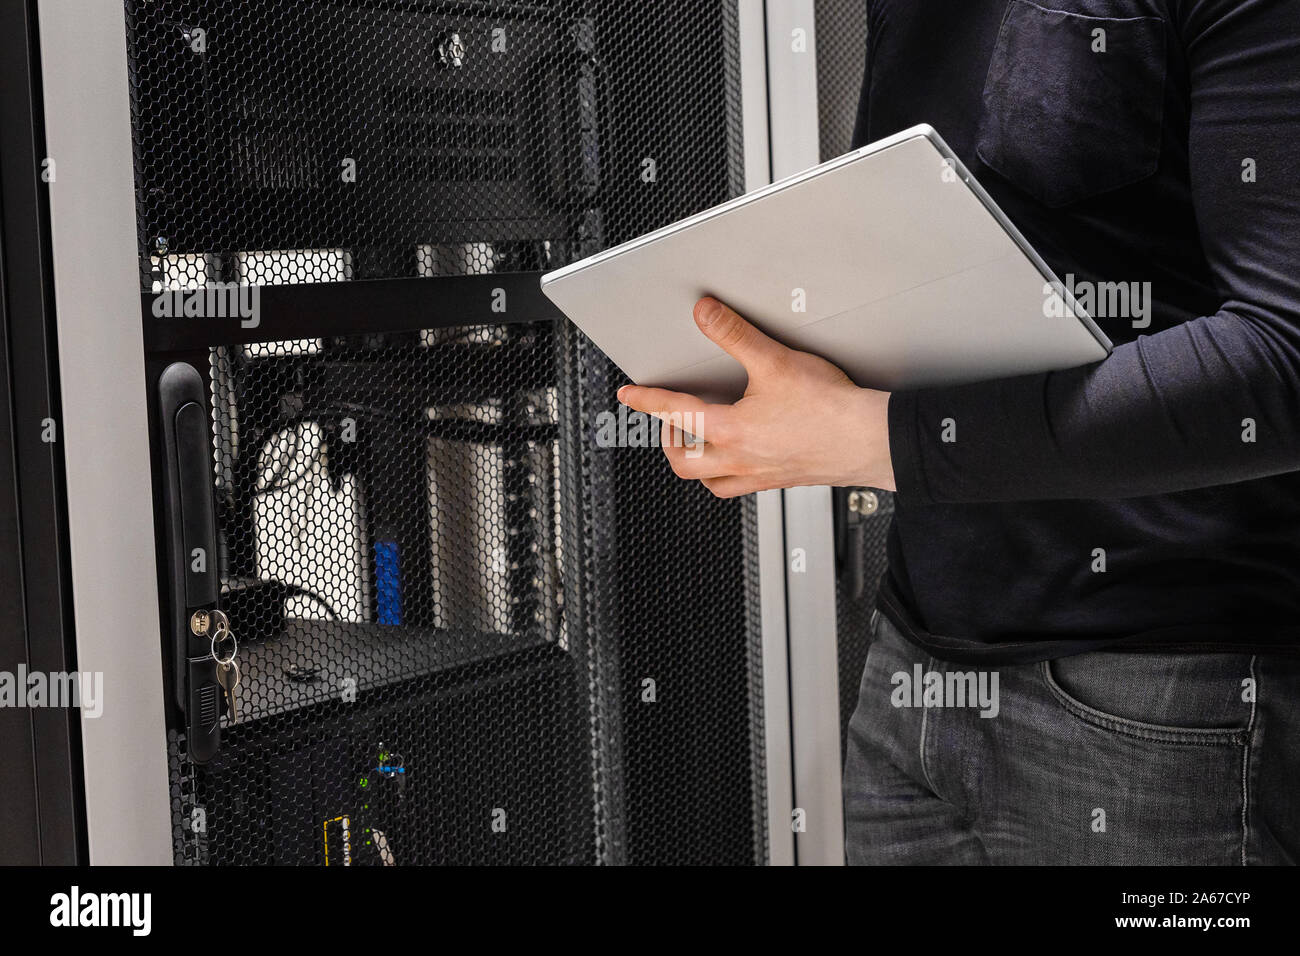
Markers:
point(865, 516)
point(841, 56)
point(471, 631)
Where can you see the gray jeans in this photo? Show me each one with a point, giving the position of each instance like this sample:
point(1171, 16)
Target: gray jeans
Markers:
point(1101, 758)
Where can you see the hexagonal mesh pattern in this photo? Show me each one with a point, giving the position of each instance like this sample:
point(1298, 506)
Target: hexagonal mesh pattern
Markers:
point(470, 632)
point(841, 57)
point(459, 611)
point(318, 140)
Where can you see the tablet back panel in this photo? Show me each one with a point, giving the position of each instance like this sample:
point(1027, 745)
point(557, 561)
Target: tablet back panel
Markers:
point(889, 262)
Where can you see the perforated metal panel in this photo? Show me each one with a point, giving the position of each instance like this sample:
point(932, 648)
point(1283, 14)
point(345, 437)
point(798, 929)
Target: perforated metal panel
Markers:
point(383, 138)
point(471, 632)
point(841, 56)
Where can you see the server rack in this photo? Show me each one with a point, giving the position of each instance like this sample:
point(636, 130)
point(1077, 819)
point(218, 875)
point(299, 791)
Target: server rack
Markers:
point(468, 632)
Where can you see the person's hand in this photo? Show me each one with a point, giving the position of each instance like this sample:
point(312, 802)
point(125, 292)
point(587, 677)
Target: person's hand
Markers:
point(801, 420)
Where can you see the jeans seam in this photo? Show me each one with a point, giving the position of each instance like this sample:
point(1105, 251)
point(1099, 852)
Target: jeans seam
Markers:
point(925, 714)
point(1136, 729)
point(1245, 762)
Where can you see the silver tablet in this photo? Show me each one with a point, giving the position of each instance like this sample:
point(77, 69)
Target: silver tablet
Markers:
point(890, 261)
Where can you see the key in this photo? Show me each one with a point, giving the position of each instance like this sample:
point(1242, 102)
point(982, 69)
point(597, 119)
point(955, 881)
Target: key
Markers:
point(218, 625)
point(228, 678)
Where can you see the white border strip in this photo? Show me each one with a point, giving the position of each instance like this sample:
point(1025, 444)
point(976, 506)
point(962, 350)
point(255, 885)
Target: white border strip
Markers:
point(770, 516)
point(105, 427)
point(814, 657)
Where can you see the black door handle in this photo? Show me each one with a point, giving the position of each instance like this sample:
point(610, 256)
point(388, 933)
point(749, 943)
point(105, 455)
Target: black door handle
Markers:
point(851, 508)
point(193, 572)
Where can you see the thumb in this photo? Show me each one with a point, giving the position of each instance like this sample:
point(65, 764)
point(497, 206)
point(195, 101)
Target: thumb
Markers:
point(738, 338)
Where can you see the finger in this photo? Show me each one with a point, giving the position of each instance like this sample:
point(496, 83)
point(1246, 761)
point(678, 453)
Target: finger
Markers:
point(732, 486)
point(693, 459)
point(740, 339)
point(671, 440)
point(688, 412)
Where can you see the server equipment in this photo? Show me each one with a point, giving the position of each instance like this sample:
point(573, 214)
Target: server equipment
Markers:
point(272, 268)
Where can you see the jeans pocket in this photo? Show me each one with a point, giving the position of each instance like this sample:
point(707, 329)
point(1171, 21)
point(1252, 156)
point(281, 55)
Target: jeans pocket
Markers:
point(1197, 699)
point(1073, 105)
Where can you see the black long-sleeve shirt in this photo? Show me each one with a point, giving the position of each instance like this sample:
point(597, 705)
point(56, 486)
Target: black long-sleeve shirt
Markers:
point(1151, 498)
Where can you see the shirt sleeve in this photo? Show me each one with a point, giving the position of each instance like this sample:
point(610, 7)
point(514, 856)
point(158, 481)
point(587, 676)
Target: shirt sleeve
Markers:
point(1174, 410)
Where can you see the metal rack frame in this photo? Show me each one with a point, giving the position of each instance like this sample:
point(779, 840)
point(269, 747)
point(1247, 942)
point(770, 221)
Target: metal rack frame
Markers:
point(110, 555)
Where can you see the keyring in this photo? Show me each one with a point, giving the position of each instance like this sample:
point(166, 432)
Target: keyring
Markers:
point(233, 652)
